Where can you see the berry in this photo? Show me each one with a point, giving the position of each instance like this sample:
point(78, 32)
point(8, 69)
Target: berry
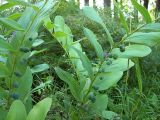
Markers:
point(109, 62)
point(24, 49)
point(15, 84)
point(122, 48)
point(95, 87)
point(110, 55)
point(14, 96)
point(115, 56)
point(101, 78)
point(30, 39)
point(92, 97)
point(17, 74)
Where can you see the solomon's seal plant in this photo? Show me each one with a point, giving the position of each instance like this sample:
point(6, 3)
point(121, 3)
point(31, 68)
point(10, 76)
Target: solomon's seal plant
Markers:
point(15, 72)
point(90, 81)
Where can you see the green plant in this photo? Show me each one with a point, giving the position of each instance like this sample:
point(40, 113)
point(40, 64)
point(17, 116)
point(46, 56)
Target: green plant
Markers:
point(17, 42)
point(38, 112)
point(92, 80)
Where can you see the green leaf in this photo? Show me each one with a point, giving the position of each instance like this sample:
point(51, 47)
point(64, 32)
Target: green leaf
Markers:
point(15, 16)
point(17, 111)
point(37, 42)
point(48, 24)
point(120, 64)
point(93, 15)
point(40, 110)
point(73, 84)
point(85, 62)
point(143, 11)
point(25, 84)
point(100, 104)
point(152, 27)
point(11, 24)
point(4, 72)
point(122, 18)
point(5, 46)
point(107, 79)
point(40, 68)
point(93, 39)
point(149, 39)
point(132, 51)
point(109, 115)
point(59, 34)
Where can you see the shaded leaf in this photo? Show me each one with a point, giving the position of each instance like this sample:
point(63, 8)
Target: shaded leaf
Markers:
point(93, 39)
point(73, 84)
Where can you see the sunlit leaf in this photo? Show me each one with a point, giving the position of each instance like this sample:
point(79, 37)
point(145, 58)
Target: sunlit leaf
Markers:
point(132, 51)
point(149, 39)
point(107, 79)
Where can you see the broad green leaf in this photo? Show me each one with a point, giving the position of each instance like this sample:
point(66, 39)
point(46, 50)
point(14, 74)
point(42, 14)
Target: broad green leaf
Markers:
point(37, 42)
point(5, 46)
point(17, 111)
point(25, 84)
point(85, 62)
point(59, 34)
point(93, 15)
point(62, 33)
point(73, 84)
point(132, 51)
point(143, 11)
point(107, 79)
point(48, 24)
point(149, 39)
point(93, 39)
point(11, 24)
point(120, 64)
point(152, 27)
point(100, 104)
point(15, 16)
point(4, 72)
point(109, 115)
point(40, 68)
point(40, 110)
